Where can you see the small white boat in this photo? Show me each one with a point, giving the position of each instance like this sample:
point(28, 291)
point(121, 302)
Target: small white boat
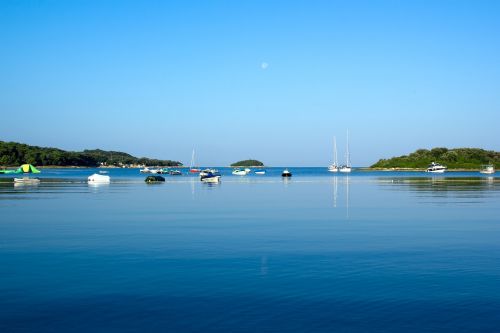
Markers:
point(145, 170)
point(333, 168)
point(26, 181)
point(345, 168)
point(206, 172)
point(260, 172)
point(98, 179)
point(239, 172)
point(286, 173)
point(487, 169)
point(436, 168)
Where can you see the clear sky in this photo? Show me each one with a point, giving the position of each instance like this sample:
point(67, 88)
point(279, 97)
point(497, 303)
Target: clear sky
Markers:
point(271, 80)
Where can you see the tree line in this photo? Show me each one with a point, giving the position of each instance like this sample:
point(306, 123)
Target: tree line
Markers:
point(15, 154)
point(457, 158)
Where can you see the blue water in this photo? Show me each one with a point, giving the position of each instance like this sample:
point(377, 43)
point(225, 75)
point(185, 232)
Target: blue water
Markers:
point(365, 252)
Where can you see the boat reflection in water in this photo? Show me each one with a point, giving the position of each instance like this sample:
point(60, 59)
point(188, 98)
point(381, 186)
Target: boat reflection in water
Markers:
point(442, 189)
point(344, 180)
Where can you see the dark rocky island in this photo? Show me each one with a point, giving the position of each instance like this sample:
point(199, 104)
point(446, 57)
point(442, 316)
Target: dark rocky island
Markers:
point(248, 163)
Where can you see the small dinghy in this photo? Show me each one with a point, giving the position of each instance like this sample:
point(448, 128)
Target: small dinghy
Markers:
point(154, 179)
point(286, 173)
point(98, 179)
point(26, 181)
point(260, 172)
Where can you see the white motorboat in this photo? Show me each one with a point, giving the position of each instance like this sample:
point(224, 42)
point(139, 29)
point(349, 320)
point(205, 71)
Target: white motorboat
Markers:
point(26, 181)
point(487, 169)
point(436, 168)
point(239, 172)
point(286, 173)
point(98, 179)
point(335, 166)
point(260, 172)
point(145, 170)
point(206, 172)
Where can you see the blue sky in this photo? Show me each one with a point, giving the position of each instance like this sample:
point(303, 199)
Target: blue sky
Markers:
point(273, 81)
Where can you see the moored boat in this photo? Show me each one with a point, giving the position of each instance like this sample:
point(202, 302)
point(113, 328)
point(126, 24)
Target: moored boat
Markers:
point(192, 168)
point(346, 168)
point(487, 169)
point(286, 173)
point(210, 177)
point(334, 167)
point(98, 179)
point(206, 172)
point(239, 172)
point(154, 179)
point(435, 167)
point(145, 170)
point(260, 172)
point(26, 181)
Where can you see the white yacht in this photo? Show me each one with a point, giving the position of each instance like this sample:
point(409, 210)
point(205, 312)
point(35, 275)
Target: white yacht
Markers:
point(98, 179)
point(335, 166)
point(239, 172)
point(487, 169)
point(206, 172)
point(436, 168)
point(145, 170)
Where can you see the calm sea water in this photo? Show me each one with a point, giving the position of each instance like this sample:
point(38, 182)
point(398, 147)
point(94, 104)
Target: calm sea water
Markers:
point(368, 252)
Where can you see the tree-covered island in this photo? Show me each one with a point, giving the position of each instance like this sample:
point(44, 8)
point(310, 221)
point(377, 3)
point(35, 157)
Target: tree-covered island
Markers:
point(248, 163)
point(15, 154)
point(456, 158)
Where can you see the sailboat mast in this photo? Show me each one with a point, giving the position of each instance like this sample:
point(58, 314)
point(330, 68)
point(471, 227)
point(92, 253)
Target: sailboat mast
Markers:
point(192, 160)
point(335, 151)
point(347, 156)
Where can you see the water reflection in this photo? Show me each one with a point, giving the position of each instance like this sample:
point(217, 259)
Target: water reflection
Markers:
point(345, 180)
point(466, 189)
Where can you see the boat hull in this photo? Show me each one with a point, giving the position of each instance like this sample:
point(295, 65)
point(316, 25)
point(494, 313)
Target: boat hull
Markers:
point(98, 179)
point(211, 179)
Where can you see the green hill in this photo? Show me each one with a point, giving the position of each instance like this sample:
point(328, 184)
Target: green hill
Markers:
point(456, 158)
point(247, 163)
point(15, 154)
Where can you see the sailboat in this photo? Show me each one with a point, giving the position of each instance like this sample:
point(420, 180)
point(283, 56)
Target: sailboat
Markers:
point(192, 168)
point(347, 167)
point(335, 166)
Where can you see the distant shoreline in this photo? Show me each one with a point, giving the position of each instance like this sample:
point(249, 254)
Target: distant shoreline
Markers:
point(364, 169)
